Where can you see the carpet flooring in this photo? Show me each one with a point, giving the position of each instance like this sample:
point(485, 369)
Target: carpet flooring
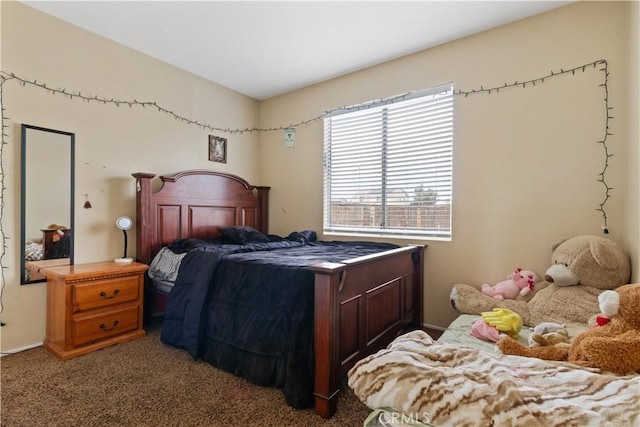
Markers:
point(145, 383)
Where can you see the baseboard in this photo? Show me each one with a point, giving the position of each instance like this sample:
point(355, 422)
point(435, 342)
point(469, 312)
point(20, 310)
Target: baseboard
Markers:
point(437, 328)
point(18, 350)
point(434, 331)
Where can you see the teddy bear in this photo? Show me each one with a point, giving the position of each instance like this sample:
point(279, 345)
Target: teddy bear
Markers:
point(519, 282)
point(581, 268)
point(613, 347)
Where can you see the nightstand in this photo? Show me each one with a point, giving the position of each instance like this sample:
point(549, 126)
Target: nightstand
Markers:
point(92, 306)
point(34, 267)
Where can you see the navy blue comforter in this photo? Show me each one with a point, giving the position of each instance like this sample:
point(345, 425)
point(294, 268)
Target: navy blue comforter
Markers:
point(248, 309)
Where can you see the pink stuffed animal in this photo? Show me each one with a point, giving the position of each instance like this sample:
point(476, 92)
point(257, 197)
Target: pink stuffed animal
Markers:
point(518, 283)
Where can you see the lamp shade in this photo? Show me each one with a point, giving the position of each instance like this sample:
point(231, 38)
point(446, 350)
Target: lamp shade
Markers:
point(124, 223)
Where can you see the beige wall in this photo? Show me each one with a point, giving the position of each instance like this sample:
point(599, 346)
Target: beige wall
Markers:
point(111, 142)
point(526, 160)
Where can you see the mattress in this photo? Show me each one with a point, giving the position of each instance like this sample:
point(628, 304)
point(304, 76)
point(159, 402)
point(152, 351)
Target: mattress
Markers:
point(162, 286)
point(458, 333)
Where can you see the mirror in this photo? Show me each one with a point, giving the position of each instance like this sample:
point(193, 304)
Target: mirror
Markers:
point(47, 199)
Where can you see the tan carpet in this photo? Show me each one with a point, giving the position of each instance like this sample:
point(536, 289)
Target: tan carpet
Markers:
point(145, 383)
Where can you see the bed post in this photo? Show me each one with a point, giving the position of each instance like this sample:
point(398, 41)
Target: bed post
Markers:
point(327, 337)
point(143, 210)
point(263, 206)
point(418, 286)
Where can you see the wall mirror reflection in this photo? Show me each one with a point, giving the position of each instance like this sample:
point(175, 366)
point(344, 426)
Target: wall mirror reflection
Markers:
point(47, 193)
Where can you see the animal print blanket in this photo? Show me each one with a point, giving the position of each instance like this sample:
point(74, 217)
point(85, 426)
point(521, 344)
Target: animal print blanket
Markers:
point(447, 385)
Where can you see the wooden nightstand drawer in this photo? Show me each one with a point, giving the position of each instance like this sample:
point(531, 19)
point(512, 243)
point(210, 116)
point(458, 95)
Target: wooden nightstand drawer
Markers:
point(101, 293)
point(95, 327)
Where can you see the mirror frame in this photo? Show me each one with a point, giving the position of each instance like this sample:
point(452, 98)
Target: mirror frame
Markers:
point(23, 197)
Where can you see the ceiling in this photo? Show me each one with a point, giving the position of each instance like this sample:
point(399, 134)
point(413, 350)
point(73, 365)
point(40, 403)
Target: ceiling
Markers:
point(266, 48)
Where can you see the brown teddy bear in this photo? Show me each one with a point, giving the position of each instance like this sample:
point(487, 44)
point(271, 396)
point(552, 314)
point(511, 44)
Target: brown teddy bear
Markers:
point(582, 267)
point(613, 347)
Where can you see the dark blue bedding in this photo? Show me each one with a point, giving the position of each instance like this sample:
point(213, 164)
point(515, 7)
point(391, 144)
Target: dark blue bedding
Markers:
point(248, 308)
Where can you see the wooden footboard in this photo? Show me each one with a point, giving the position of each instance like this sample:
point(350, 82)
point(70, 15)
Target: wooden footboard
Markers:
point(360, 306)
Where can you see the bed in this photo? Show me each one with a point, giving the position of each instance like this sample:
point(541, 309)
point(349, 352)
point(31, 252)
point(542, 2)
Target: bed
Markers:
point(461, 380)
point(352, 306)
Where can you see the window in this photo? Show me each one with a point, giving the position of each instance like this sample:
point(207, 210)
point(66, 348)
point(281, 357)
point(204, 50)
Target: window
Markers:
point(388, 166)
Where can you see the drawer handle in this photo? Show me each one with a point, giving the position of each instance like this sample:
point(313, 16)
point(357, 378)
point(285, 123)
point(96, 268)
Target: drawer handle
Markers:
point(104, 295)
point(104, 327)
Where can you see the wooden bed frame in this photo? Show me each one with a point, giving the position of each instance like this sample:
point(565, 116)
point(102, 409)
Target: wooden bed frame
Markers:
point(360, 304)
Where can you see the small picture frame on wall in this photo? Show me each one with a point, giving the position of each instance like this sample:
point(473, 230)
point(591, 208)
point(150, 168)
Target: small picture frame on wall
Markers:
point(217, 149)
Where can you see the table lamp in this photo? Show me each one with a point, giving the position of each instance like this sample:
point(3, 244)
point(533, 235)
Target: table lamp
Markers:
point(124, 223)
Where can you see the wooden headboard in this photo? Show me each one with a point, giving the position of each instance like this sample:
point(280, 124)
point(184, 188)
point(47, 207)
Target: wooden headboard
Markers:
point(194, 203)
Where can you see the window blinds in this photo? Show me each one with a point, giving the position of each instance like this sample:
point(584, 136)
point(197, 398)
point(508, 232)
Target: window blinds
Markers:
point(388, 166)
